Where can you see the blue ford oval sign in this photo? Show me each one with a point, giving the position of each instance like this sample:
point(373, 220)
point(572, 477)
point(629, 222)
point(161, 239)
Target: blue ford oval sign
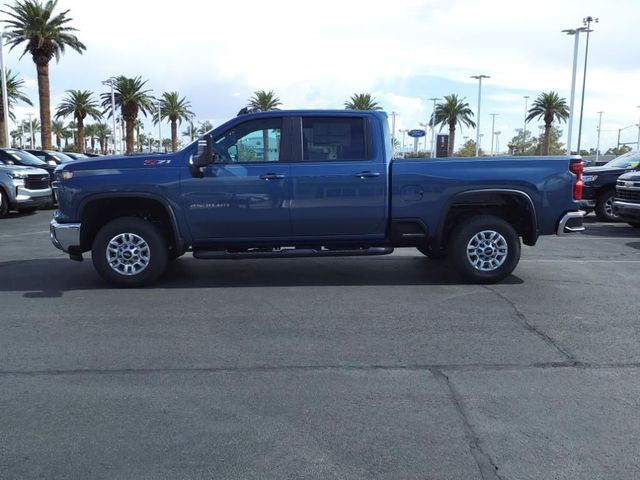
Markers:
point(416, 133)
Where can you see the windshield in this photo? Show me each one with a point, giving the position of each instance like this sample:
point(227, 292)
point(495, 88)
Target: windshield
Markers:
point(61, 157)
point(628, 160)
point(25, 158)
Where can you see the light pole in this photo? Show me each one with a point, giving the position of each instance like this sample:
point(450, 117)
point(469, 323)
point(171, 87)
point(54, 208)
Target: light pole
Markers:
point(113, 110)
point(5, 98)
point(426, 131)
point(624, 128)
point(159, 128)
point(498, 141)
point(524, 125)
point(393, 130)
point(433, 124)
point(576, 32)
point(493, 126)
point(599, 130)
point(403, 131)
point(31, 142)
point(585, 21)
point(479, 78)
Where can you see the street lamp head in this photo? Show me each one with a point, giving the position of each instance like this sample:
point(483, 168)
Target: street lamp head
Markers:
point(478, 77)
point(573, 31)
point(588, 20)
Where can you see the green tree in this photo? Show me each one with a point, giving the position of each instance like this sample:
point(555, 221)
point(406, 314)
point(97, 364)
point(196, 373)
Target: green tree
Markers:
point(79, 104)
point(131, 98)
point(548, 106)
point(619, 150)
point(190, 131)
point(362, 101)
point(452, 111)
point(15, 87)
point(90, 132)
point(102, 132)
point(59, 130)
point(523, 144)
point(468, 149)
point(175, 109)
point(46, 35)
point(263, 102)
point(29, 128)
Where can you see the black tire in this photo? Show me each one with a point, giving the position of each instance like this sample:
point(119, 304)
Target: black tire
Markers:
point(4, 204)
point(604, 206)
point(498, 259)
point(28, 210)
point(140, 257)
point(635, 224)
point(432, 254)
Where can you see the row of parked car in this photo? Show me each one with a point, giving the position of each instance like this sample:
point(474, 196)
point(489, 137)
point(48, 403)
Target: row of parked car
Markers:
point(612, 190)
point(26, 176)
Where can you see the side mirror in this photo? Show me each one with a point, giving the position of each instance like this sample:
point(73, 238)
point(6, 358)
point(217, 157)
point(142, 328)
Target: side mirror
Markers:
point(203, 157)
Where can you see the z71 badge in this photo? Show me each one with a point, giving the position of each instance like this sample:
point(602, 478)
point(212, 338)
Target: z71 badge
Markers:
point(153, 163)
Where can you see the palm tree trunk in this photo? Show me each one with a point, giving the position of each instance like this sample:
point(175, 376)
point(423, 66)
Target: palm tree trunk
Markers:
point(174, 134)
point(3, 135)
point(80, 144)
point(547, 138)
point(129, 134)
point(452, 140)
point(58, 141)
point(45, 100)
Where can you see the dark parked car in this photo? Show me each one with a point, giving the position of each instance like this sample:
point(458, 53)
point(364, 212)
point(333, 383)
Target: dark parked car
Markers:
point(76, 156)
point(600, 185)
point(51, 156)
point(14, 156)
point(627, 202)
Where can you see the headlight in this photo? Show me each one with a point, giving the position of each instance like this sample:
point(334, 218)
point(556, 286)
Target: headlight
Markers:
point(17, 175)
point(589, 178)
point(67, 175)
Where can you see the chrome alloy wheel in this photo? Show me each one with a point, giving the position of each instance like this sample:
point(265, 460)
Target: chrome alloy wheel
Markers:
point(128, 254)
point(487, 250)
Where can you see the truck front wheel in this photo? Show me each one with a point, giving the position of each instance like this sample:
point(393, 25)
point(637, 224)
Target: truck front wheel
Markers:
point(604, 207)
point(129, 252)
point(484, 249)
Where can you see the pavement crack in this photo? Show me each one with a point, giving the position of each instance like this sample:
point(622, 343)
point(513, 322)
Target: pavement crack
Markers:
point(486, 465)
point(524, 321)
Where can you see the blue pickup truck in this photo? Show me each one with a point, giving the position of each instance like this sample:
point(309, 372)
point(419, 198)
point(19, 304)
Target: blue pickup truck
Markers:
point(308, 183)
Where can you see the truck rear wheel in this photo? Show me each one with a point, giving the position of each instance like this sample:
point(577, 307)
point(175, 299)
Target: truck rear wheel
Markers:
point(129, 252)
point(484, 249)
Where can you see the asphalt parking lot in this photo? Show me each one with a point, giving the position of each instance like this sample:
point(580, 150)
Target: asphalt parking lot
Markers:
point(347, 368)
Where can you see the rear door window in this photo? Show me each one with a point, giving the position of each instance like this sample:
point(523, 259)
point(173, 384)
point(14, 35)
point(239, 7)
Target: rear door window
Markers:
point(333, 139)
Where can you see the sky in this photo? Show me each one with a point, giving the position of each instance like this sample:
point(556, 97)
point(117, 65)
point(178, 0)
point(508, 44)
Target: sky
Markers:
point(318, 54)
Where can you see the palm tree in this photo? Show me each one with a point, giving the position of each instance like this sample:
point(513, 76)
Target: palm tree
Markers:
point(132, 99)
point(175, 109)
point(362, 101)
point(191, 131)
point(138, 125)
point(46, 35)
point(90, 132)
point(79, 104)
point(59, 130)
point(204, 127)
point(550, 107)
point(263, 102)
point(452, 111)
point(15, 86)
point(102, 132)
point(31, 127)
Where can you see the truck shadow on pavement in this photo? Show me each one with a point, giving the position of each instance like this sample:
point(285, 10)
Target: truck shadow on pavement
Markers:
point(51, 277)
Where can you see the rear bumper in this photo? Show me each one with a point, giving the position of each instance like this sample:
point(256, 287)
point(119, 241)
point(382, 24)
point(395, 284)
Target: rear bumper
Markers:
point(626, 210)
point(571, 222)
point(588, 203)
point(65, 236)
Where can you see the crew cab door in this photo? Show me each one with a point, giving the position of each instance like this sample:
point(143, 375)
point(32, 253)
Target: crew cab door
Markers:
point(339, 179)
point(245, 193)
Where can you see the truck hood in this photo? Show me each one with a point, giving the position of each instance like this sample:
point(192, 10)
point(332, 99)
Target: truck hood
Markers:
point(23, 168)
point(633, 176)
point(123, 162)
point(604, 169)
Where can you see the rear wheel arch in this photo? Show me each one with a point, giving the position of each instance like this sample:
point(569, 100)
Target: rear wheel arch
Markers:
point(513, 206)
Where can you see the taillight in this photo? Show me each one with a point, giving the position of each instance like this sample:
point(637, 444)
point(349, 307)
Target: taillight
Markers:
point(577, 168)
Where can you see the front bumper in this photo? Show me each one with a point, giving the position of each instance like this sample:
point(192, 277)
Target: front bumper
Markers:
point(33, 198)
point(65, 236)
point(571, 222)
point(627, 211)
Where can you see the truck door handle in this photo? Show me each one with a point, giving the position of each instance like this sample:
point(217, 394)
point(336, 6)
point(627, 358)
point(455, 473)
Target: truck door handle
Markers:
point(367, 174)
point(271, 176)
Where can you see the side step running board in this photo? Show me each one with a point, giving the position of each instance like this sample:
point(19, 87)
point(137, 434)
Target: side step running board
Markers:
point(290, 253)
